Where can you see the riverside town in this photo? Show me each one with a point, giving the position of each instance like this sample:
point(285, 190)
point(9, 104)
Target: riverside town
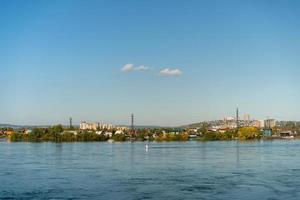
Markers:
point(229, 128)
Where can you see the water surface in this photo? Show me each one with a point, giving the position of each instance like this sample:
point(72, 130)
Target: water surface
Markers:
point(187, 170)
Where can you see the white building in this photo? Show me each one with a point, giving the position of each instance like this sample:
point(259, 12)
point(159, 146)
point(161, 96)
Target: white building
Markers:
point(28, 131)
point(122, 128)
point(98, 132)
point(106, 126)
point(259, 123)
point(73, 132)
point(85, 126)
point(119, 132)
point(109, 134)
point(95, 126)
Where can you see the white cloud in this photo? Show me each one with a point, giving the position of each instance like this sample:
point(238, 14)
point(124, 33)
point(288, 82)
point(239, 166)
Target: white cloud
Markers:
point(127, 68)
point(170, 72)
point(130, 67)
point(142, 68)
point(164, 72)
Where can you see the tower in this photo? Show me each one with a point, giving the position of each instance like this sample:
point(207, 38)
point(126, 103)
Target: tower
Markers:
point(132, 122)
point(237, 118)
point(71, 125)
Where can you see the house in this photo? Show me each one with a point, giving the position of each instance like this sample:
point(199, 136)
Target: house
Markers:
point(9, 132)
point(98, 132)
point(119, 132)
point(109, 134)
point(72, 132)
point(223, 130)
point(287, 134)
point(267, 132)
point(192, 136)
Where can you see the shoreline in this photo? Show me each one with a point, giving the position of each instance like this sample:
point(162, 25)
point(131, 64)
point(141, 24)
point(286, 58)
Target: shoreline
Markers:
point(6, 139)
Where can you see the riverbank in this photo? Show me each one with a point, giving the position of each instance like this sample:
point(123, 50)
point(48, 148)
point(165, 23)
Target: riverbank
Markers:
point(200, 139)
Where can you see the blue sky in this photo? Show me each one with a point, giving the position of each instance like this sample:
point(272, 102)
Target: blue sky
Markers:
point(187, 61)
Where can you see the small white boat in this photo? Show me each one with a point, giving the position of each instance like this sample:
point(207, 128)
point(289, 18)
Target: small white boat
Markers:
point(146, 147)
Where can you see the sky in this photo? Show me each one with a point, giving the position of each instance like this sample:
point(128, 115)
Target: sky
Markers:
point(169, 62)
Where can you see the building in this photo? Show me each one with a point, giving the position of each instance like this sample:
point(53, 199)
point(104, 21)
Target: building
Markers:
point(259, 123)
point(70, 132)
point(9, 132)
point(106, 126)
point(287, 134)
point(268, 133)
point(246, 117)
point(119, 132)
point(28, 131)
point(270, 123)
point(88, 126)
point(108, 134)
point(95, 126)
point(122, 128)
point(99, 132)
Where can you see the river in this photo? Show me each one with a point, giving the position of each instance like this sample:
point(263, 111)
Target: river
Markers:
point(174, 170)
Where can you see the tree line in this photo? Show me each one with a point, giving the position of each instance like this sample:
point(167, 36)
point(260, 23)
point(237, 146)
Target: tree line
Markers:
point(58, 134)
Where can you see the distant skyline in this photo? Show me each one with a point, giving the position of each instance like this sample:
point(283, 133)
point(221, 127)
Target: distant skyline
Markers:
point(169, 62)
